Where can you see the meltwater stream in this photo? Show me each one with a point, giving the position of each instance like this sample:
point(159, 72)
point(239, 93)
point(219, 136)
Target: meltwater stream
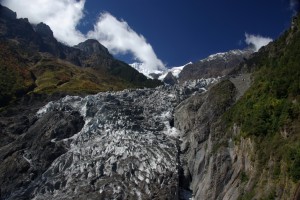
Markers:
point(127, 148)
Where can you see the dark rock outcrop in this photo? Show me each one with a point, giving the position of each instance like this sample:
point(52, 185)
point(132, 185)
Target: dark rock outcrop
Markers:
point(18, 30)
point(94, 54)
point(170, 79)
point(44, 30)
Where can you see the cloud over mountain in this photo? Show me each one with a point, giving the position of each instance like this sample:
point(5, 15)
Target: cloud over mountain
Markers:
point(257, 41)
point(63, 16)
point(120, 38)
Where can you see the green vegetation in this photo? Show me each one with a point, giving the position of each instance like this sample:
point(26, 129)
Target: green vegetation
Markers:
point(269, 111)
point(15, 79)
point(60, 76)
point(23, 71)
point(247, 196)
point(273, 100)
point(222, 94)
point(244, 177)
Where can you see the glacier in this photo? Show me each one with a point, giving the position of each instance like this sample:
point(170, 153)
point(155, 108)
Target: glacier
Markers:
point(127, 149)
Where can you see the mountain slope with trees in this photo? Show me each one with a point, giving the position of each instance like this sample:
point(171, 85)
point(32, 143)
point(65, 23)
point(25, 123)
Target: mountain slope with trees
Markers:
point(247, 146)
point(32, 60)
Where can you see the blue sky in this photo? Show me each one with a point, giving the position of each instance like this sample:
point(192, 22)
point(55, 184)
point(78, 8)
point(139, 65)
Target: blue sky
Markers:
point(182, 31)
point(160, 32)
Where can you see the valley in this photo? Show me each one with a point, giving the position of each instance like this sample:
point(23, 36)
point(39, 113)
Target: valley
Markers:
point(76, 123)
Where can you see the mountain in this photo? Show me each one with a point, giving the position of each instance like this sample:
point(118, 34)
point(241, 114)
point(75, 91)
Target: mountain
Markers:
point(142, 68)
point(36, 62)
point(171, 75)
point(244, 143)
point(215, 65)
point(158, 74)
point(232, 137)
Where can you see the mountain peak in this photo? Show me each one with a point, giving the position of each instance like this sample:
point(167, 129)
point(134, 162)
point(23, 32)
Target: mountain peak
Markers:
point(44, 30)
point(92, 46)
point(7, 13)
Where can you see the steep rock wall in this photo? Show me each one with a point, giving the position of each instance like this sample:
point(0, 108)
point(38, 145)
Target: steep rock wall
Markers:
point(212, 165)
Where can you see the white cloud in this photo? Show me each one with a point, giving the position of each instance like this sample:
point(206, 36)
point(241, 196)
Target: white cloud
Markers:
point(257, 41)
point(120, 38)
point(63, 16)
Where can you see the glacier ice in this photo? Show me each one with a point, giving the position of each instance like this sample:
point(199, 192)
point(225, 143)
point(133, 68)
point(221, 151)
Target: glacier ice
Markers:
point(127, 148)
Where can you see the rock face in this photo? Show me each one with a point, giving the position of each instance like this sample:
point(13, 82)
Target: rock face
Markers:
point(170, 79)
point(114, 145)
point(198, 118)
point(94, 54)
point(213, 165)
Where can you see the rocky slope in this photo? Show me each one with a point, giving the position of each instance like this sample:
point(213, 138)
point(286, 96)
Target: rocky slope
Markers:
point(215, 65)
point(211, 166)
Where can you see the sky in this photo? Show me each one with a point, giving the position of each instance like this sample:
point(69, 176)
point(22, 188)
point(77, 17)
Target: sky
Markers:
point(162, 33)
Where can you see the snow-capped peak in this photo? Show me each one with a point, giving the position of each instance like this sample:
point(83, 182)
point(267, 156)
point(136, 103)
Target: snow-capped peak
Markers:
point(161, 73)
point(174, 70)
point(224, 55)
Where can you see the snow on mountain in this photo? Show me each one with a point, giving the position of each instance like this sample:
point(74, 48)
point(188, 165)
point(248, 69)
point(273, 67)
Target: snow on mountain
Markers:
point(225, 55)
point(219, 64)
point(174, 70)
point(161, 74)
point(142, 68)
